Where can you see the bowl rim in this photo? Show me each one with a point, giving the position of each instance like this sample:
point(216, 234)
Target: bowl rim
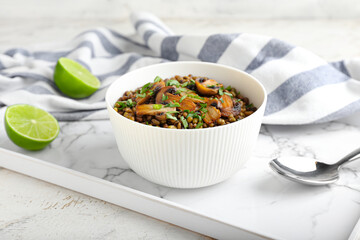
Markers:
point(121, 117)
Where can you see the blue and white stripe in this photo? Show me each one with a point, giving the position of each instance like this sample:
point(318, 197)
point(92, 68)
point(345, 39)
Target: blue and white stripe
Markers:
point(302, 88)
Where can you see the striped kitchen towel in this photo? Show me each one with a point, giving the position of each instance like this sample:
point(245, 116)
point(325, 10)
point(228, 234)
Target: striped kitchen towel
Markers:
point(302, 88)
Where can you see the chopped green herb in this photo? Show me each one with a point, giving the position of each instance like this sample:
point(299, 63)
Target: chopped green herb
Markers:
point(145, 88)
point(250, 105)
point(151, 92)
point(196, 96)
point(229, 94)
point(190, 115)
point(192, 81)
point(130, 103)
point(172, 111)
point(122, 105)
point(199, 124)
point(164, 97)
point(169, 116)
point(180, 89)
point(222, 100)
point(238, 100)
point(184, 122)
point(210, 86)
point(184, 84)
point(172, 82)
point(198, 116)
point(228, 88)
point(221, 91)
point(141, 95)
point(203, 107)
point(157, 79)
point(182, 98)
point(157, 106)
point(172, 104)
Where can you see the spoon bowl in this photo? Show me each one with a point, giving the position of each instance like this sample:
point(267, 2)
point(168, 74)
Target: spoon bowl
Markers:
point(310, 171)
point(321, 174)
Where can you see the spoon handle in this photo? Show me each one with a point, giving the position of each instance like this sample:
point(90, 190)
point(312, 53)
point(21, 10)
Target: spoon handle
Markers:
point(348, 157)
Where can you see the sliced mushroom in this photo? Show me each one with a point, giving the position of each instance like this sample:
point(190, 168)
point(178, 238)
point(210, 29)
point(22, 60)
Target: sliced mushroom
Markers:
point(157, 86)
point(155, 89)
point(214, 102)
point(208, 87)
point(152, 109)
point(228, 107)
point(142, 100)
point(185, 104)
point(196, 99)
point(159, 95)
point(211, 115)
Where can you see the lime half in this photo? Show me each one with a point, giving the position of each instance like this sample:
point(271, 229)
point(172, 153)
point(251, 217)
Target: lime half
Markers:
point(74, 80)
point(30, 127)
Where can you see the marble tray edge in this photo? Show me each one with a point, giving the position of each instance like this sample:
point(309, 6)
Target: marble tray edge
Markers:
point(126, 197)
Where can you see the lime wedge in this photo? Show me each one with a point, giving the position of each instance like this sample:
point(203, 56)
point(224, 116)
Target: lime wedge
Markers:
point(74, 80)
point(30, 127)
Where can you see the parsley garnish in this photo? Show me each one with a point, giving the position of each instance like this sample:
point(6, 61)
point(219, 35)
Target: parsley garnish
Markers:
point(141, 95)
point(182, 89)
point(164, 97)
point(184, 84)
point(199, 124)
point(172, 104)
point(145, 88)
point(182, 98)
point(184, 122)
point(198, 116)
point(221, 91)
point(203, 107)
point(173, 82)
point(195, 96)
point(157, 79)
point(228, 88)
point(229, 94)
point(222, 100)
point(130, 103)
point(250, 105)
point(122, 105)
point(169, 116)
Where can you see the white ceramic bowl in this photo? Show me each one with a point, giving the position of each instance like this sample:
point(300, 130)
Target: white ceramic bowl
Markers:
point(187, 158)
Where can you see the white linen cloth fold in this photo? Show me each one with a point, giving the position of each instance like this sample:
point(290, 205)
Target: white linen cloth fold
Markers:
point(302, 88)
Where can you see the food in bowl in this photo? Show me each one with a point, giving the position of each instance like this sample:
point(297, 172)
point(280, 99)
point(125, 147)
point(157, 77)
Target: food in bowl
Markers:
point(184, 102)
point(186, 158)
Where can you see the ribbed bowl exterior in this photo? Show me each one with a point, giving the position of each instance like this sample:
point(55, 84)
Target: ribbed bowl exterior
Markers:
point(186, 158)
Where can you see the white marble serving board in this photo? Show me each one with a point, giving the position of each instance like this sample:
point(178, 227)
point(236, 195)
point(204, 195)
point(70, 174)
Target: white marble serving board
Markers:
point(255, 198)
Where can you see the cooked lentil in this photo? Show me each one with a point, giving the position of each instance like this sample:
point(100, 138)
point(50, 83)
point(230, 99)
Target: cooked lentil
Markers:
point(184, 102)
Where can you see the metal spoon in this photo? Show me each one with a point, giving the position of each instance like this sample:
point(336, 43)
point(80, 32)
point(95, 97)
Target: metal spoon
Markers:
point(309, 171)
